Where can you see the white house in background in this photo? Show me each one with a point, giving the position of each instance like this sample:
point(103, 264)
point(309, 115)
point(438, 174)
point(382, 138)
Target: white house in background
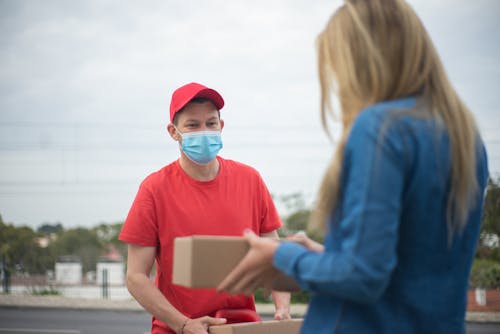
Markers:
point(112, 265)
point(69, 270)
point(114, 271)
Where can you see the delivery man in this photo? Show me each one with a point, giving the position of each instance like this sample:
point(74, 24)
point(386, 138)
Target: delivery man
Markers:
point(200, 193)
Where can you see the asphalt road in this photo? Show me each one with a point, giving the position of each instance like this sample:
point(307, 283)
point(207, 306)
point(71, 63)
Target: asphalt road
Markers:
point(71, 321)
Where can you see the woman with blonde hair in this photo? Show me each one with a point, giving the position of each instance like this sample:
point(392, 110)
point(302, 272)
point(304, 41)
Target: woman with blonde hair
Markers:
point(401, 201)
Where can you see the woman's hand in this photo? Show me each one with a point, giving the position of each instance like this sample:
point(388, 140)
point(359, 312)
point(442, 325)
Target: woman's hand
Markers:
point(255, 269)
point(308, 243)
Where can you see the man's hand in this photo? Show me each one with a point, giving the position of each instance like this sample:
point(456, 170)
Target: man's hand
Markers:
point(282, 305)
point(200, 325)
point(282, 314)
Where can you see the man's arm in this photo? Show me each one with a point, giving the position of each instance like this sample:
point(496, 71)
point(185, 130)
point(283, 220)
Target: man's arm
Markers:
point(281, 299)
point(139, 263)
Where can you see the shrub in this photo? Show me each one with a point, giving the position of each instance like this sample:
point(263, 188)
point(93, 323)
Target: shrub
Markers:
point(48, 291)
point(485, 274)
point(301, 297)
point(260, 298)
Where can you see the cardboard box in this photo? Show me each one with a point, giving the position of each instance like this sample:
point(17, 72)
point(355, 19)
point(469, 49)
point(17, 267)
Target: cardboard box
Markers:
point(204, 261)
point(265, 327)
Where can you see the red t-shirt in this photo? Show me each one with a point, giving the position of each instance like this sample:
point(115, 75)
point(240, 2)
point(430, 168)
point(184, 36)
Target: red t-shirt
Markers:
point(171, 204)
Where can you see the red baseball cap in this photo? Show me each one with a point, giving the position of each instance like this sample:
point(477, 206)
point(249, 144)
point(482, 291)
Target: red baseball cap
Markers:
point(186, 93)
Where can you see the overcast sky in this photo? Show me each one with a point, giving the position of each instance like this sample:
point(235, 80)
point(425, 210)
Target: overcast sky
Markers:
point(85, 89)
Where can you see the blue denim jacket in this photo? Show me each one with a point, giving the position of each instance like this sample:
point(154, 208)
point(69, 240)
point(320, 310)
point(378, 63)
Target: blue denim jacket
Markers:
point(388, 266)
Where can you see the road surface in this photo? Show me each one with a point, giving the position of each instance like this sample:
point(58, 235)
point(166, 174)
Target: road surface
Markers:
point(71, 321)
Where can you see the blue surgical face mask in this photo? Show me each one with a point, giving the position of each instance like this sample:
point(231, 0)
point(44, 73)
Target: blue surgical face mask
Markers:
point(201, 147)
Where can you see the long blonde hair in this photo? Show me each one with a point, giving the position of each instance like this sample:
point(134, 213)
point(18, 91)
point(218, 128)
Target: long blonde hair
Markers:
point(377, 50)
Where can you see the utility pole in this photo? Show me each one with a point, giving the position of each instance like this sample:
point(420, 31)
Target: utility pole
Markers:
point(105, 284)
point(5, 276)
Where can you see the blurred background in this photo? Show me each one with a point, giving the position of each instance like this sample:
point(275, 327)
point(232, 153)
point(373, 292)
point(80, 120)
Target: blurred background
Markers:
point(85, 88)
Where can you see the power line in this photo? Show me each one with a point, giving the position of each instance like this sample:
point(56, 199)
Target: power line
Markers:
point(133, 125)
point(73, 125)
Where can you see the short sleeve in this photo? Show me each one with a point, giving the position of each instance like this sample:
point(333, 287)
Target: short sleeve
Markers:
point(141, 227)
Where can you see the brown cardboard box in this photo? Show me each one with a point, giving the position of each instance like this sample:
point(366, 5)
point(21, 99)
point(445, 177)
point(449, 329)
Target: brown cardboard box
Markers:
point(292, 326)
point(204, 261)
point(264, 327)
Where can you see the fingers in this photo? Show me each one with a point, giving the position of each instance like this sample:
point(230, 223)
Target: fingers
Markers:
point(252, 285)
point(250, 236)
point(210, 321)
point(254, 269)
point(252, 281)
point(233, 278)
point(200, 325)
point(246, 283)
point(240, 276)
point(280, 315)
point(300, 234)
point(300, 238)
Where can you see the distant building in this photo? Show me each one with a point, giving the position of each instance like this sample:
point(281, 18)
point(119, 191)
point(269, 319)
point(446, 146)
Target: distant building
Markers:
point(114, 271)
point(69, 270)
point(111, 265)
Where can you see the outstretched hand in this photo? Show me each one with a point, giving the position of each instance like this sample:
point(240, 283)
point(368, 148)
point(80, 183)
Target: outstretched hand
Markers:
point(255, 269)
point(282, 314)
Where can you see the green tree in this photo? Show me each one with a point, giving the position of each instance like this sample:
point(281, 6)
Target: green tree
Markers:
point(107, 235)
point(21, 251)
point(49, 229)
point(485, 274)
point(293, 201)
point(297, 217)
point(491, 209)
point(490, 225)
point(81, 242)
point(297, 221)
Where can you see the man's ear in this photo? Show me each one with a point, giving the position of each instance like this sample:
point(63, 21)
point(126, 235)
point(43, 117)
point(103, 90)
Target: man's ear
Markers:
point(173, 132)
point(221, 124)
